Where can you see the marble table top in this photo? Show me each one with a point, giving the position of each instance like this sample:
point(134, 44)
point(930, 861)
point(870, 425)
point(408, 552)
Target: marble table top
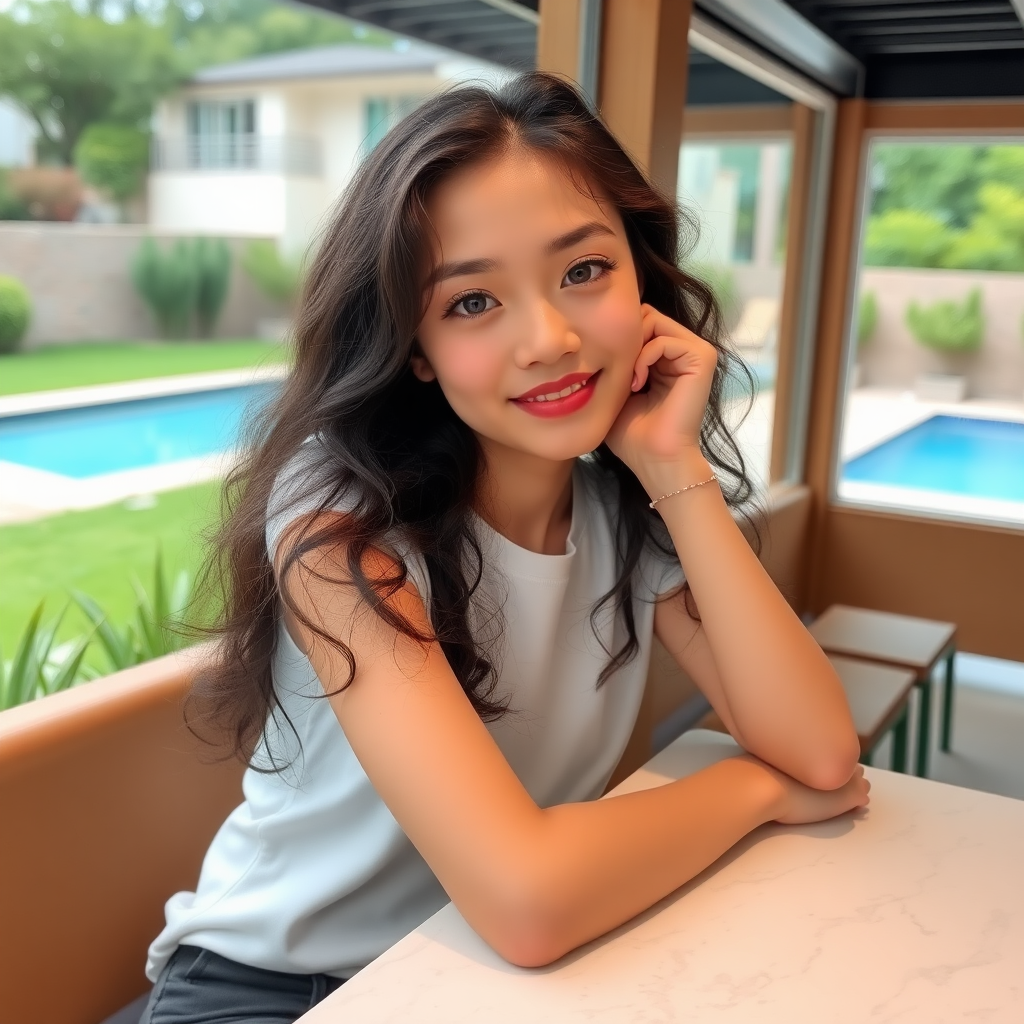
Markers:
point(912, 911)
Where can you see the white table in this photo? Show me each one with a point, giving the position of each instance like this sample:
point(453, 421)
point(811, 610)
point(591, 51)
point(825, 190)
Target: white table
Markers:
point(910, 912)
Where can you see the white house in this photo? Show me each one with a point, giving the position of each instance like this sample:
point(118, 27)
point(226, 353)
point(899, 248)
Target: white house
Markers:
point(263, 146)
point(17, 135)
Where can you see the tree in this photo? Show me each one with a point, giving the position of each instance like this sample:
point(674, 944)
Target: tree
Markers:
point(941, 180)
point(68, 70)
point(113, 157)
point(209, 32)
point(905, 238)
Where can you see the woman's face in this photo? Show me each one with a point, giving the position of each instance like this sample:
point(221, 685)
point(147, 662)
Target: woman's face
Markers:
point(533, 321)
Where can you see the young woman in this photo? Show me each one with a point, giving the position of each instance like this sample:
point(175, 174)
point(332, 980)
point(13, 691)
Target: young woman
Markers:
point(444, 576)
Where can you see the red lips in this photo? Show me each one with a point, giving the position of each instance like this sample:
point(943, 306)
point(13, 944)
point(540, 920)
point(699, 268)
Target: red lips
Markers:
point(532, 402)
point(554, 386)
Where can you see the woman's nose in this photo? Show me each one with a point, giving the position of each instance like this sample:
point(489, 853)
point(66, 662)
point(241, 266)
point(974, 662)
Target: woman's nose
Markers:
point(547, 336)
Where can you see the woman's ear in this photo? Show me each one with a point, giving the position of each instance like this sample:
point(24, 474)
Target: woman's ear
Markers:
point(421, 368)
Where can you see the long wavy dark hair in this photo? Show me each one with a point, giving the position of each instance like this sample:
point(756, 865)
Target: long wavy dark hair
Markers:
point(394, 441)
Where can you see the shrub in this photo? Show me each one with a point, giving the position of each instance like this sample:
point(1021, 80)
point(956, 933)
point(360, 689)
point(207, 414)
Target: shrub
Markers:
point(275, 276)
point(113, 157)
point(15, 313)
point(949, 326)
point(166, 280)
point(906, 238)
point(12, 206)
point(213, 274)
point(49, 193)
point(980, 248)
point(867, 318)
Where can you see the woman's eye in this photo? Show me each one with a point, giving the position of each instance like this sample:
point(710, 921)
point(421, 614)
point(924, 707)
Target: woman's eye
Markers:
point(584, 273)
point(473, 304)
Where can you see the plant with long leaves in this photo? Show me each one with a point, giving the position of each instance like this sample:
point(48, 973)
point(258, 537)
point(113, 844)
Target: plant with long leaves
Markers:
point(39, 668)
point(155, 626)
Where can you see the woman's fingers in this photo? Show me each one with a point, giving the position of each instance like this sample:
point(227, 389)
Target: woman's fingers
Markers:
point(678, 356)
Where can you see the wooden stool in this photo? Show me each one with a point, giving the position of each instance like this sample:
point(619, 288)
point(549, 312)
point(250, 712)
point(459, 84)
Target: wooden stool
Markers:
point(916, 645)
point(879, 699)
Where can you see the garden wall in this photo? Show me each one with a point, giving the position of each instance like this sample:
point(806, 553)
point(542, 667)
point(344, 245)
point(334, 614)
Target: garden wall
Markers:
point(893, 358)
point(77, 275)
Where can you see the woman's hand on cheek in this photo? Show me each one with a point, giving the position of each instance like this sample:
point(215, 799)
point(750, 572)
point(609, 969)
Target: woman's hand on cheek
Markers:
point(658, 430)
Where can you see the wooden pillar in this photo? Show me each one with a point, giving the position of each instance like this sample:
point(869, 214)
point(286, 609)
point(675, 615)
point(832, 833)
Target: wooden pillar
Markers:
point(558, 37)
point(642, 75)
point(836, 283)
point(642, 84)
point(793, 282)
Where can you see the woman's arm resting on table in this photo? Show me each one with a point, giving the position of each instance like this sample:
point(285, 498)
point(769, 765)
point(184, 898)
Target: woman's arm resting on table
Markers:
point(761, 670)
point(534, 883)
point(757, 664)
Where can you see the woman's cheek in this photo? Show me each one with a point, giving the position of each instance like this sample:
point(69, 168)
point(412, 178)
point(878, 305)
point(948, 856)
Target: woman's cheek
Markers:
point(471, 378)
point(619, 330)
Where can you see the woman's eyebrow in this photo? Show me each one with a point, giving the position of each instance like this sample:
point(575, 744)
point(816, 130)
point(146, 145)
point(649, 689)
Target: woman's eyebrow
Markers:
point(461, 268)
point(584, 231)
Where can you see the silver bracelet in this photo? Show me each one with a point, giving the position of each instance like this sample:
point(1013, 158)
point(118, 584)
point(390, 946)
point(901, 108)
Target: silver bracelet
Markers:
point(688, 487)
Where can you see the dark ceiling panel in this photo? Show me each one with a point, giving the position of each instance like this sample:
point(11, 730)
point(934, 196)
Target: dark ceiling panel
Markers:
point(492, 31)
point(910, 49)
point(928, 49)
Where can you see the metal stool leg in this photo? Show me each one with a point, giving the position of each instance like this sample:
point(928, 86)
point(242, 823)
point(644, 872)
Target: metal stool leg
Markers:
point(899, 742)
point(947, 704)
point(924, 726)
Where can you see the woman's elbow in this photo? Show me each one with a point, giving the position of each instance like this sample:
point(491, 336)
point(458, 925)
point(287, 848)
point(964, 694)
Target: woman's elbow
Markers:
point(526, 925)
point(536, 948)
point(833, 767)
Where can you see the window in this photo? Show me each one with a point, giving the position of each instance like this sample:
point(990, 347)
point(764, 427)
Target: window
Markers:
point(383, 113)
point(737, 188)
point(934, 411)
point(222, 134)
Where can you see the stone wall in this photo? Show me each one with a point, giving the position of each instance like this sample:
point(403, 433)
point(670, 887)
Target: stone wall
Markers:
point(77, 275)
point(893, 358)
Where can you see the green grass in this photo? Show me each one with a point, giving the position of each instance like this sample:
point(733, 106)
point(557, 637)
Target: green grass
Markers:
point(97, 551)
point(68, 366)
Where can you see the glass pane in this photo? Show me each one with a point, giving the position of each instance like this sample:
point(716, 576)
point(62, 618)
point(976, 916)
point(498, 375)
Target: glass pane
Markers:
point(378, 120)
point(738, 190)
point(934, 413)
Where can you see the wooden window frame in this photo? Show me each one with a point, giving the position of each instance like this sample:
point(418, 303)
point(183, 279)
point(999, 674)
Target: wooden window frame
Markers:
point(942, 567)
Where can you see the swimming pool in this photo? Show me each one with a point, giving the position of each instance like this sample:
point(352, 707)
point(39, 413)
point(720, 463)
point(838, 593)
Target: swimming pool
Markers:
point(959, 455)
point(94, 439)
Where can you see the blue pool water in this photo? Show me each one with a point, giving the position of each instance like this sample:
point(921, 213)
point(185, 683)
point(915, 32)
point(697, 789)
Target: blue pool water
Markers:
point(95, 439)
point(957, 455)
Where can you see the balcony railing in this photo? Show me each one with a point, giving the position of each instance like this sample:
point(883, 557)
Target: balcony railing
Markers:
point(269, 154)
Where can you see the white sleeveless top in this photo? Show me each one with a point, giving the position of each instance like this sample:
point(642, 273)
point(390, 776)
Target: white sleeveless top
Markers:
point(312, 874)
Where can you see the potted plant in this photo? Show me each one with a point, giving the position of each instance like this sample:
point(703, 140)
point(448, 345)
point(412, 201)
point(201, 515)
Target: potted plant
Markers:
point(867, 321)
point(951, 329)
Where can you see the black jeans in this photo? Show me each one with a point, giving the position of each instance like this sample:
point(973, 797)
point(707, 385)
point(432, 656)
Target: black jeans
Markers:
point(200, 987)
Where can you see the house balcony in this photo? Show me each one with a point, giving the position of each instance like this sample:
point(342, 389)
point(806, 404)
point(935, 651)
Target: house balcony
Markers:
point(288, 155)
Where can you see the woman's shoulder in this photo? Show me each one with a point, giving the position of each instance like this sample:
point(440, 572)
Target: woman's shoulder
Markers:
point(313, 482)
point(307, 483)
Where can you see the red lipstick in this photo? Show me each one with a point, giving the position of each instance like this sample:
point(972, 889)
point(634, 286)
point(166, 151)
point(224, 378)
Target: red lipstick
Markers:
point(559, 397)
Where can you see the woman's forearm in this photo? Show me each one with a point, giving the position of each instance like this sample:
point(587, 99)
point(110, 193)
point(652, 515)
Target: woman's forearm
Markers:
point(596, 865)
point(784, 696)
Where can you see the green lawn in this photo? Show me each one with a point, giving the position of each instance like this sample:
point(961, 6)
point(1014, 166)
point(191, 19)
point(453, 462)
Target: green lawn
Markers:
point(68, 366)
point(97, 551)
